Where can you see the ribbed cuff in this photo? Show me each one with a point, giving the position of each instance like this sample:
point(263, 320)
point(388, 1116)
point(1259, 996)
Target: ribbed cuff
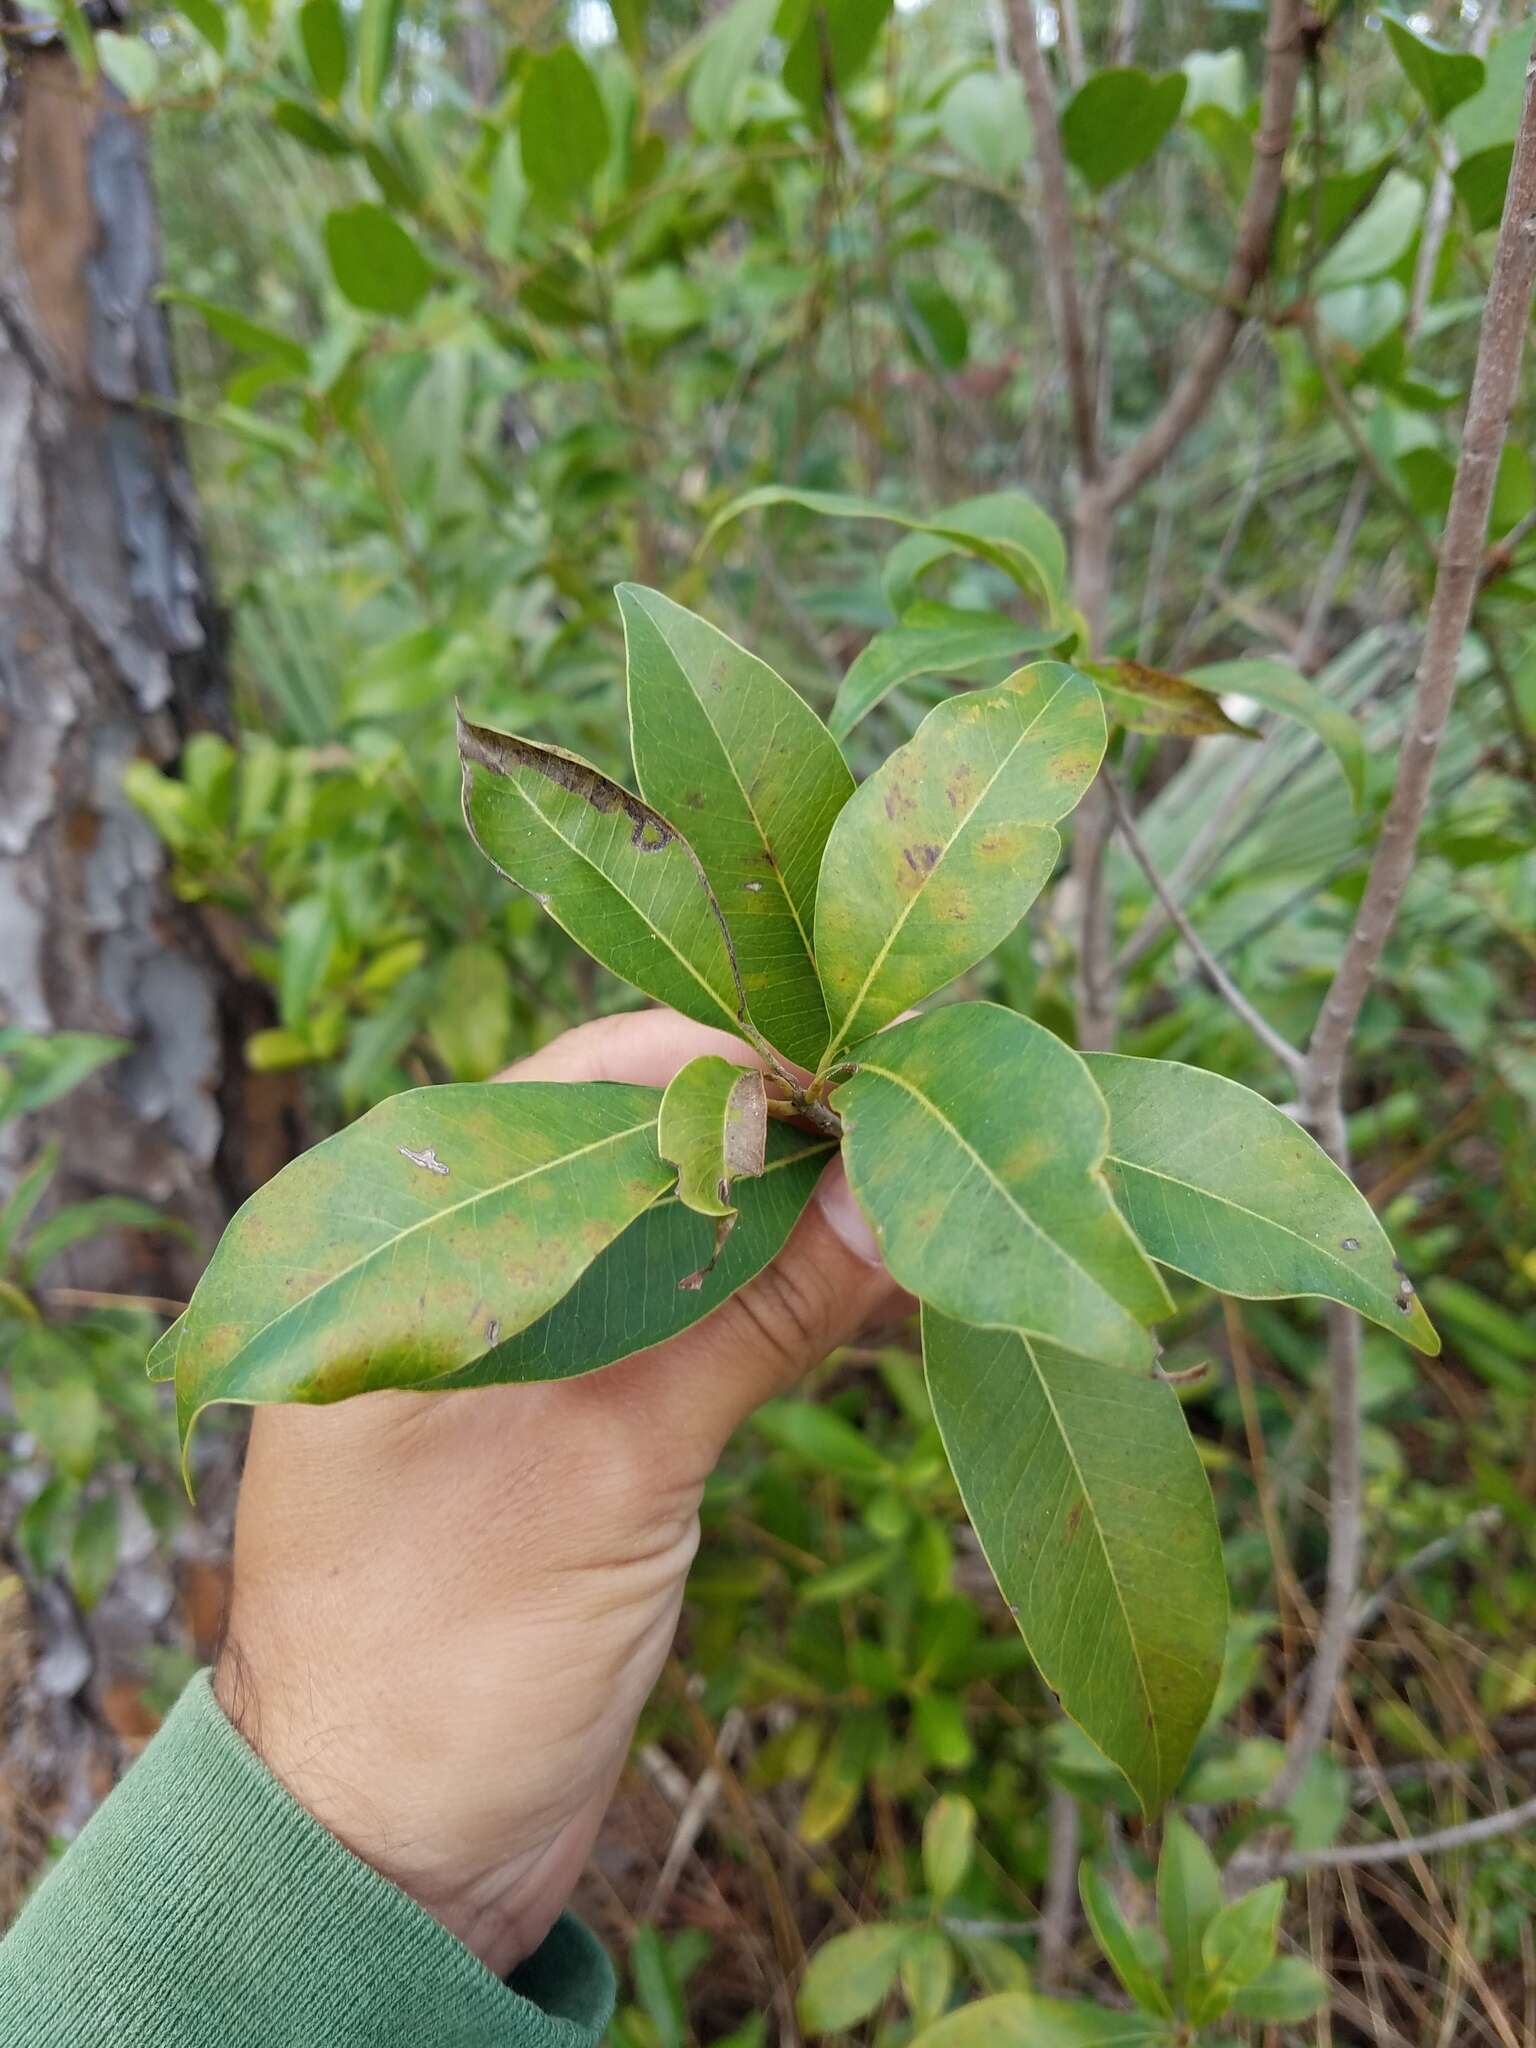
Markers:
point(203, 1907)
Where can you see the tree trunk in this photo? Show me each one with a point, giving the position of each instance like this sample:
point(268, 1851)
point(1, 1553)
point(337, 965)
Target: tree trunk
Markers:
point(110, 647)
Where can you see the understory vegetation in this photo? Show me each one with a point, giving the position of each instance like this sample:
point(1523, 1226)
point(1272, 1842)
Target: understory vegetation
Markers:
point(1167, 349)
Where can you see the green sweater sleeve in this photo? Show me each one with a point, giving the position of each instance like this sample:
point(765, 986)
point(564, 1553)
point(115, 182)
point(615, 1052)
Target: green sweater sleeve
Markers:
point(205, 1908)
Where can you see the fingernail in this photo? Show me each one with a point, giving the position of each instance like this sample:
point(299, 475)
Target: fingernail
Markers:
point(844, 1215)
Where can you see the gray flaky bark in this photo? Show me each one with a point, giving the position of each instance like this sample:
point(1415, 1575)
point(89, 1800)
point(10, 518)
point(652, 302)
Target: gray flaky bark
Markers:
point(108, 650)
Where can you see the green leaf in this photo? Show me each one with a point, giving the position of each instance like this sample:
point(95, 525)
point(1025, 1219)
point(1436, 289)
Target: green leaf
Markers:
point(375, 263)
point(324, 36)
point(608, 868)
point(309, 935)
point(415, 1240)
point(563, 126)
point(17, 1209)
point(82, 1220)
point(1379, 238)
point(55, 1398)
point(713, 1127)
point(903, 654)
point(1117, 1939)
point(1289, 1991)
point(94, 1550)
point(207, 17)
point(1442, 78)
point(657, 1987)
point(377, 24)
point(726, 748)
point(1092, 1508)
point(983, 118)
point(849, 1977)
point(1005, 528)
point(928, 1960)
point(311, 129)
point(1492, 115)
point(948, 843)
point(1221, 1185)
point(470, 1022)
point(1279, 687)
point(1189, 1897)
point(634, 1295)
point(1481, 181)
point(949, 1843)
point(130, 64)
point(1018, 2019)
point(244, 333)
point(974, 1142)
point(1150, 700)
point(36, 1070)
point(822, 1438)
point(1238, 1946)
point(834, 44)
point(729, 52)
point(1116, 120)
point(937, 331)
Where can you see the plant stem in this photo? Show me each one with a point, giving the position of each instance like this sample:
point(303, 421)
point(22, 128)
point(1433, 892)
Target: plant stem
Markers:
point(1462, 1836)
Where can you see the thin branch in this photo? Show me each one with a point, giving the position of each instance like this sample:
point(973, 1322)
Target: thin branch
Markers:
point(1462, 1836)
point(1072, 42)
point(1368, 1611)
point(1056, 226)
point(1290, 23)
point(1278, 1046)
point(1059, 1905)
point(1325, 589)
point(1437, 214)
point(1494, 380)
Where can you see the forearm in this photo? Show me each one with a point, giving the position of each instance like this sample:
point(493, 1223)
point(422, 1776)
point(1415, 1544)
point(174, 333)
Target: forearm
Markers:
point(204, 1905)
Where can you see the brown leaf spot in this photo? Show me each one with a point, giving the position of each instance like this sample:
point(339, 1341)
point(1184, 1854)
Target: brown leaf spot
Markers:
point(957, 789)
point(922, 860)
point(899, 801)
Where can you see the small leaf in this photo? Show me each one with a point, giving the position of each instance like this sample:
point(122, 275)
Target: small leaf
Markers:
point(983, 118)
point(1019, 2019)
point(713, 1127)
point(1481, 181)
point(832, 48)
point(973, 1141)
point(928, 1960)
point(1146, 699)
point(374, 261)
point(130, 64)
point(1492, 114)
point(1378, 239)
point(470, 1022)
point(822, 1438)
point(631, 1297)
point(948, 843)
point(1289, 1991)
point(949, 1841)
point(93, 1553)
point(55, 1398)
point(83, 1220)
point(1117, 1939)
point(903, 654)
point(1189, 1897)
point(244, 333)
point(324, 36)
point(1279, 687)
point(414, 1240)
point(729, 52)
point(1006, 528)
point(207, 17)
point(17, 1209)
point(1221, 1185)
point(1116, 120)
point(311, 129)
point(608, 868)
point(563, 126)
point(1089, 1500)
point(724, 746)
point(849, 1977)
point(1442, 78)
point(936, 329)
point(38, 1069)
point(377, 25)
point(1239, 1946)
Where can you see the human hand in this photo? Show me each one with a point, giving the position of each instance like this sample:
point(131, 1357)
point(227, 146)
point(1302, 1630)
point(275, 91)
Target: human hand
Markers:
point(449, 1608)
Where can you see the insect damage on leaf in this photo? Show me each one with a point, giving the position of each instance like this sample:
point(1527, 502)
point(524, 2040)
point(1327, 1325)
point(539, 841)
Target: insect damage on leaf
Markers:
point(502, 752)
point(713, 1128)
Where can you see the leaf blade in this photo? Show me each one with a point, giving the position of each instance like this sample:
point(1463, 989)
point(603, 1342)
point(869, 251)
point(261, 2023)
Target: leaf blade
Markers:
point(904, 654)
point(1065, 1461)
point(713, 1126)
point(1221, 1185)
point(946, 845)
point(1013, 1224)
point(723, 742)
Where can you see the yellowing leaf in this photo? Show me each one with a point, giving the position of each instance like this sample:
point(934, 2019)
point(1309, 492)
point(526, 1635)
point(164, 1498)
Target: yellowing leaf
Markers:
point(948, 843)
point(1149, 700)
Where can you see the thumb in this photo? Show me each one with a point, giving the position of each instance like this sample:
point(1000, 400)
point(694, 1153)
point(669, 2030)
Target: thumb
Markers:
point(823, 1289)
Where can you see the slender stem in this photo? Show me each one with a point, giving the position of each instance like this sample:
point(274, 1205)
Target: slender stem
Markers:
point(1462, 1836)
point(1059, 1905)
point(1273, 1041)
point(1056, 229)
point(1290, 23)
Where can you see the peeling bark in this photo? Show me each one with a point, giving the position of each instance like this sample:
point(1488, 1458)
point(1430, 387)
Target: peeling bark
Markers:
point(110, 647)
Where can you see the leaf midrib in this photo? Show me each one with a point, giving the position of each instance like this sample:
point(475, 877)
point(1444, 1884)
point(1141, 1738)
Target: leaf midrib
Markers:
point(392, 1244)
point(841, 1033)
point(1332, 1261)
point(928, 1103)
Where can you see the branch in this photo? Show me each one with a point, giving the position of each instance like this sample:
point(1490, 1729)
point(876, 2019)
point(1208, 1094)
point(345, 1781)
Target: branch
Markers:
point(1494, 381)
point(1056, 228)
point(1290, 23)
point(1272, 1040)
point(1488, 1829)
